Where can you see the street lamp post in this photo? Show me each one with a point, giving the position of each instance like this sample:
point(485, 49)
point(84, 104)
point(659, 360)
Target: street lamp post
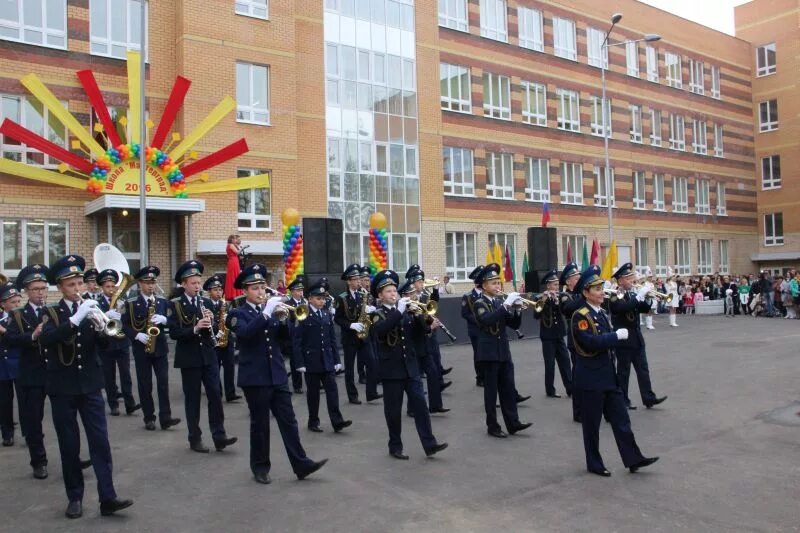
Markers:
point(650, 37)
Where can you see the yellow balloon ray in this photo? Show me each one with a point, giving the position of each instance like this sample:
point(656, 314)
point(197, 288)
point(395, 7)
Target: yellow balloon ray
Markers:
point(236, 184)
point(227, 105)
point(21, 170)
point(48, 99)
point(134, 97)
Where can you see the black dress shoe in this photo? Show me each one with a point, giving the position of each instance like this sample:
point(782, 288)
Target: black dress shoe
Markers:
point(520, 427)
point(341, 425)
point(445, 385)
point(521, 398)
point(129, 410)
point(656, 402)
point(631, 407)
point(233, 398)
point(497, 433)
point(554, 395)
point(399, 455)
point(199, 447)
point(86, 464)
point(313, 468)
point(435, 449)
point(647, 461)
point(440, 410)
point(114, 411)
point(315, 429)
point(446, 371)
point(376, 397)
point(74, 510)
point(221, 444)
point(263, 478)
point(112, 506)
point(8, 442)
point(151, 425)
point(40, 472)
point(355, 401)
point(166, 424)
point(603, 472)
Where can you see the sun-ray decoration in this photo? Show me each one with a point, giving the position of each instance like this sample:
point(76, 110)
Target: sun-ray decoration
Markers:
point(116, 170)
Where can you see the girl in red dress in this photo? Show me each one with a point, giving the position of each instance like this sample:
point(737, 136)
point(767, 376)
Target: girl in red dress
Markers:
point(234, 268)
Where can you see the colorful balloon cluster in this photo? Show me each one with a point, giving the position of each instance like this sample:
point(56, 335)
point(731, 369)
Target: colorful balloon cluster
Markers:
point(378, 243)
point(159, 159)
point(292, 245)
point(124, 152)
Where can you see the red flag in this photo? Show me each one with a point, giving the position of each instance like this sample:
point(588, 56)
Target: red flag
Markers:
point(545, 214)
point(595, 252)
point(569, 254)
point(509, 274)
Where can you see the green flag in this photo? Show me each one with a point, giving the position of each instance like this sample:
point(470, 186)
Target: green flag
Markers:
point(585, 258)
point(524, 265)
point(514, 267)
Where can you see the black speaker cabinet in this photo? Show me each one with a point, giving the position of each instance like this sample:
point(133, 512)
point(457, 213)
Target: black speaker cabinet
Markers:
point(542, 249)
point(323, 245)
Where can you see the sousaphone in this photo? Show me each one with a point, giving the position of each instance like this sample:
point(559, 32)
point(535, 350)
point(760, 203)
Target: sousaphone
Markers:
point(107, 256)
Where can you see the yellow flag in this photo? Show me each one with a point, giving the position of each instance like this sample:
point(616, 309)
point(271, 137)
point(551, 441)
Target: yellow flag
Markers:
point(489, 257)
point(497, 257)
point(610, 261)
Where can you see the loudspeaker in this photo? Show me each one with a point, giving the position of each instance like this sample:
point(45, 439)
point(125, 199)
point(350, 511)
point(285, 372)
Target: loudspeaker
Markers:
point(542, 249)
point(533, 280)
point(323, 244)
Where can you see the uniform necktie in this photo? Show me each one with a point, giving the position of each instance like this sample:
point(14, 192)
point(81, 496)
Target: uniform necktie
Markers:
point(258, 308)
point(74, 307)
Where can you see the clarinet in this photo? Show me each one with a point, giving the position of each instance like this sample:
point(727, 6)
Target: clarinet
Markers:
point(207, 313)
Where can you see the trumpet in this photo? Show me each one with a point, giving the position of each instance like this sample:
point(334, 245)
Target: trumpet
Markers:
point(540, 299)
point(102, 324)
point(524, 303)
point(666, 297)
point(3, 279)
point(429, 309)
point(300, 312)
point(430, 283)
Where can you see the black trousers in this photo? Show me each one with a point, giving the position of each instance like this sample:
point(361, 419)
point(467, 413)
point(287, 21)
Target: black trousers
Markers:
point(208, 377)
point(498, 379)
point(555, 351)
point(432, 344)
point(7, 387)
point(354, 354)
point(146, 366)
point(433, 378)
point(65, 419)
point(637, 357)
point(393, 390)
point(227, 370)
point(576, 398)
point(595, 404)
point(473, 339)
point(32, 401)
point(278, 400)
point(112, 360)
point(328, 380)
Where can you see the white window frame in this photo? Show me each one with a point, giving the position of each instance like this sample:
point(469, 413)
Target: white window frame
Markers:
point(715, 83)
point(677, 132)
point(24, 253)
point(22, 28)
point(494, 20)
point(460, 103)
point(600, 193)
point(129, 42)
point(700, 137)
point(697, 82)
point(640, 246)
point(651, 56)
point(722, 200)
point(674, 67)
point(658, 193)
point(680, 194)
point(639, 179)
point(575, 243)
point(503, 240)
point(571, 183)
point(458, 243)
point(655, 127)
point(252, 8)
point(251, 216)
point(763, 66)
point(719, 149)
point(569, 101)
point(22, 149)
point(454, 14)
point(771, 237)
point(704, 256)
point(537, 180)
point(534, 103)
point(500, 109)
point(632, 58)
point(596, 53)
point(248, 110)
point(564, 39)
point(597, 118)
point(465, 185)
point(683, 257)
point(662, 256)
point(499, 187)
point(636, 124)
point(724, 257)
point(771, 107)
point(769, 180)
point(531, 28)
point(702, 200)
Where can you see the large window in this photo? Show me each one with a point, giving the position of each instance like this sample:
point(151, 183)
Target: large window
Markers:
point(636, 124)
point(253, 8)
point(704, 259)
point(674, 74)
point(456, 91)
point(677, 133)
point(632, 58)
point(655, 127)
point(662, 262)
point(601, 186)
point(697, 83)
point(683, 261)
point(642, 261)
point(702, 204)
point(715, 83)
point(597, 53)
point(31, 241)
point(496, 96)
point(722, 201)
point(680, 195)
point(534, 103)
point(658, 192)
point(494, 23)
point(252, 93)
point(651, 55)
point(116, 27)
point(461, 256)
point(41, 22)
point(452, 14)
point(500, 176)
point(31, 114)
point(569, 113)
point(639, 190)
point(771, 172)
point(601, 116)
point(254, 205)
point(699, 137)
point(724, 262)
point(773, 229)
point(503, 240)
point(458, 171)
point(571, 183)
point(768, 115)
point(719, 149)
point(765, 60)
point(531, 33)
point(564, 41)
point(575, 244)
point(537, 179)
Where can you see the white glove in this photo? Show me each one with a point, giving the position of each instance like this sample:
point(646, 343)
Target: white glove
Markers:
point(302, 370)
point(159, 320)
point(84, 309)
point(641, 294)
point(370, 309)
point(622, 334)
point(402, 303)
point(142, 337)
point(511, 299)
point(357, 327)
point(338, 367)
point(113, 315)
point(272, 303)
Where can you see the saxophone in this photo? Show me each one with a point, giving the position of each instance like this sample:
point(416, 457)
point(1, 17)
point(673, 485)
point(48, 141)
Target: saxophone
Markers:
point(363, 316)
point(224, 332)
point(152, 330)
